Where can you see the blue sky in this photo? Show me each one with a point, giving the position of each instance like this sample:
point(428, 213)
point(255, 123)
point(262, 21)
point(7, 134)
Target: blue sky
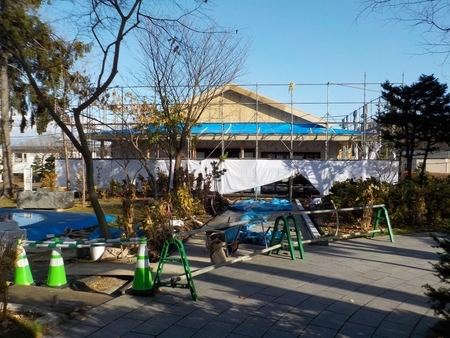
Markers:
point(312, 43)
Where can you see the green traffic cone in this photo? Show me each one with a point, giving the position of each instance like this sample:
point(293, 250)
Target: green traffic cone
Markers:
point(22, 273)
point(56, 271)
point(142, 282)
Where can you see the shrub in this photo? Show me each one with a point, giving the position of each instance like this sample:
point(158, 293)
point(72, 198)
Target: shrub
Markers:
point(8, 257)
point(352, 193)
point(155, 226)
point(49, 181)
point(115, 188)
point(407, 203)
point(162, 183)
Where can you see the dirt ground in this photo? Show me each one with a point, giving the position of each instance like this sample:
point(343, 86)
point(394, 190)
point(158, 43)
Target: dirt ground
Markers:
point(39, 265)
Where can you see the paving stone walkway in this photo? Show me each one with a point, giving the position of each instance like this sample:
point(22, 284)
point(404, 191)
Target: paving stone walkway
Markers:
point(353, 288)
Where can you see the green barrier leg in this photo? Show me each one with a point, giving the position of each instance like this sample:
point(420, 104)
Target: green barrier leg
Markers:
point(299, 236)
point(183, 259)
point(385, 217)
point(289, 238)
point(284, 233)
point(274, 232)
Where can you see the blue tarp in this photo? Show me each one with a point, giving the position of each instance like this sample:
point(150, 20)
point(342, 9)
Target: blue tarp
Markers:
point(115, 233)
point(261, 206)
point(277, 128)
point(270, 128)
point(55, 223)
point(258, 209)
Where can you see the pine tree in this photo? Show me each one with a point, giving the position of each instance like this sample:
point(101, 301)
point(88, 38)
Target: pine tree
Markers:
point(414, 117)
point(37, 167)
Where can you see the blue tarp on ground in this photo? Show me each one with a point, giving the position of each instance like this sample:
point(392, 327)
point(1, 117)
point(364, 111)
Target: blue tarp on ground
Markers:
point(258, 209)
point(261, 206)
point(115, 233)
point(54, 223)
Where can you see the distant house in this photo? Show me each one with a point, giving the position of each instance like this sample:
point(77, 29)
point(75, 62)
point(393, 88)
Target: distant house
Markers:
point(24, 153)
point(245, 124)
point(438, 162)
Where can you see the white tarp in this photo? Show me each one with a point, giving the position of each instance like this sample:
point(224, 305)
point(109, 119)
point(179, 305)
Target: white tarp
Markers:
point(242, 174)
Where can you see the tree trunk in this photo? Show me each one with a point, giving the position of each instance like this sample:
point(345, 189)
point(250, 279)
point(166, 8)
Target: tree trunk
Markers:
point(171, 174)
point(90, 182)
point(93, 195)
point(424, 166)
point(409, 160)
point(83, 183)
point(8, 183)
point(66, 160)
point(180, 152)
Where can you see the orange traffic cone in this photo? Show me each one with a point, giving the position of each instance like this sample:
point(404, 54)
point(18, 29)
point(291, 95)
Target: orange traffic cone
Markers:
point(22, 273)
point(142, 282)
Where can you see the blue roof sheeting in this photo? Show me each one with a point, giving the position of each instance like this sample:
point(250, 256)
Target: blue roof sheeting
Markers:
point(268, 129)
point(253, 128)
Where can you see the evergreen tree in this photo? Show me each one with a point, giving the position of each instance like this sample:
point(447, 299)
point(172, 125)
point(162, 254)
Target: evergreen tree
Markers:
point(414, 118)
point(48, 59)
point(37, 167)
point(49, 165)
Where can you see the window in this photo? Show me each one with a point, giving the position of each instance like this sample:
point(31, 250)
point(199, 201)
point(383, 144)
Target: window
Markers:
point(285, 156)
point(203, 153)
point(20, 157)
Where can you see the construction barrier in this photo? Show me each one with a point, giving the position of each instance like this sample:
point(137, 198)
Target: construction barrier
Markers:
point(183, 260)
point(380, 216)
point(71, 244)
point(174, 242)
point(142, 282)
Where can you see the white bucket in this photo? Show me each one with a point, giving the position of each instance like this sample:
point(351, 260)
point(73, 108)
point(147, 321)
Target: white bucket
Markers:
point(97, 252)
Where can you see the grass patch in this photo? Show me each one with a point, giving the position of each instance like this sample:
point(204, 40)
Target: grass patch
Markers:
point(22, 324)
point(7, 203)
point(110, 206)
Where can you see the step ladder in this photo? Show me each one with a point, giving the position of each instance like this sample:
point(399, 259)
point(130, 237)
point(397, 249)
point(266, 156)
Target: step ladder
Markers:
point(183, 260)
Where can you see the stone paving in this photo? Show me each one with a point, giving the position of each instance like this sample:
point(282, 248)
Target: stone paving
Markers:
point(352, 288)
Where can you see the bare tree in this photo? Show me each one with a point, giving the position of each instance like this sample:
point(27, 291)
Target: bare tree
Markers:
point(432, 16)
point(108, 24)
point(132, 139)
point(188, 66)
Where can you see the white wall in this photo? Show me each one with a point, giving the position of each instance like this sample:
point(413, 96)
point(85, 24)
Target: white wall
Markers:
point(435, 165)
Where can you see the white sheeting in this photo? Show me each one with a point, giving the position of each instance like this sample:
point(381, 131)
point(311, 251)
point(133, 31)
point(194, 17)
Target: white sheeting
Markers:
point(244, 174)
